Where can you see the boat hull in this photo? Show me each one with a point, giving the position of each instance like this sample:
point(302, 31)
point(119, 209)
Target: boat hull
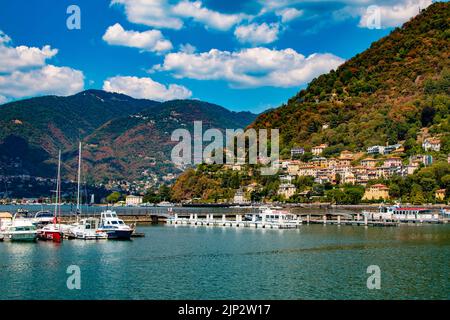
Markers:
point(119, 234)
point(20, 237)
point(55, 236)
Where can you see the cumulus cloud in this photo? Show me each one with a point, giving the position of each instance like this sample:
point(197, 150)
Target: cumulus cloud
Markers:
point(162, 14)
point(288, 14)
point(392, 15)
point(46, 80)
point(153, 13)
point(254, 67)
point(24, 72)
point(145, 88)
point(151, 40)
point(210, 18)
point(257, 33)
point(14, 58)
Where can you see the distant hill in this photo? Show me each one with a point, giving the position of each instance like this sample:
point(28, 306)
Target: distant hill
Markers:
point(138, 143)
point(386, 94)
point(123, 136)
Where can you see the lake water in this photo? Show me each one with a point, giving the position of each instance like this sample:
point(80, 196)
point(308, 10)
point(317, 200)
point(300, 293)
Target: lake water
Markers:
point(180, 262)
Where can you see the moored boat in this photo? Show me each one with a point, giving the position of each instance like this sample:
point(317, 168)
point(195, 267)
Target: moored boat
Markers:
point(404, 214)
point(113, 226)
point(19, 229)
point(88, 229)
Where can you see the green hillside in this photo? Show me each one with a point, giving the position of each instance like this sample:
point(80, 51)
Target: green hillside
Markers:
point(386, 94)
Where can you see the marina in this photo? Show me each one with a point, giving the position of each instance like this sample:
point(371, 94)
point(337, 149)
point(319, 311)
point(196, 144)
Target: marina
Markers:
point(178, 262)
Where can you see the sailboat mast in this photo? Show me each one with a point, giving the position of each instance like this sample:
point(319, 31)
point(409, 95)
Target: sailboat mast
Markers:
point(58, 187)
point(79, 181)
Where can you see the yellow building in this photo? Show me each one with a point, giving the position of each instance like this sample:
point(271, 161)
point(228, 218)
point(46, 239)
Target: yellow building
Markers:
point(376, 192)
point(133, 200)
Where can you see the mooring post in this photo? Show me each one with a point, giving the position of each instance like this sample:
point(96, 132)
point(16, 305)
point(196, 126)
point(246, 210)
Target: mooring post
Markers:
point(357, 217)
point(339, 219)
point(365, 220)
point(307, 219)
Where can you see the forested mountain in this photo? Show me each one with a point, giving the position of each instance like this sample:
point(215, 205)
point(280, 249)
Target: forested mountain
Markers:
point(386, 94)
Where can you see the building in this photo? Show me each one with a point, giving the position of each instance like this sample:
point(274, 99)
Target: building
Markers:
point(431, 144)
point(425, 159)
point(133, 200)
point(376, 192)
point(383, 149)
point(5, 218)
point(440, 194)
point(297, 152)
point(369, 162)
point(317, 150)
point(287, 190)
point(393, 162)
point(239, 197)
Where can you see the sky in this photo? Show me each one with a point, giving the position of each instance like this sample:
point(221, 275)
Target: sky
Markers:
point(243, 55)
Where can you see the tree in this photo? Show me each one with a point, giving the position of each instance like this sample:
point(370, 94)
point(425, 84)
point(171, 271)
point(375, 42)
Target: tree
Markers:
point(113, 197)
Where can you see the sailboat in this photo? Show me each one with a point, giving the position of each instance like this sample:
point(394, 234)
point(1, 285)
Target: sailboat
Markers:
point(53, 231)
point(86, 229)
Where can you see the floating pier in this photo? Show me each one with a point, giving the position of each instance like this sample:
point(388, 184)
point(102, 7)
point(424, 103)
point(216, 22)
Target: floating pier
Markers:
point(238, 222)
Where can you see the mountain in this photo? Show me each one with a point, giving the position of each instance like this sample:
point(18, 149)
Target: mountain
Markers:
point(140, 144)
point(398, 90)
point(123, 136)
point(388, 93)
point(32, 130)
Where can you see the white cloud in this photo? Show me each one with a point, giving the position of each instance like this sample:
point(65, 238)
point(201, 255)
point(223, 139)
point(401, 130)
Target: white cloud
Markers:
point(393, 15)
point(255, 67)
point(146, 88)
point(257, 33)
point(151, 40)
point(210, 18)
point(162, 14)
point(46, 80)
point(188, 48)
point(153, 13)
point(288, 14)
point(14, 58)
point(24, 72)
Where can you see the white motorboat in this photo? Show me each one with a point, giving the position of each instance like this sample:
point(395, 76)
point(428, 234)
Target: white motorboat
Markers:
point(113, 226)
point(88, 229)
point(19, 229)
point(406, 214)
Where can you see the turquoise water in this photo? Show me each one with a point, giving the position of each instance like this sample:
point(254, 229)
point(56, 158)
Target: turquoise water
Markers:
point(178, 262)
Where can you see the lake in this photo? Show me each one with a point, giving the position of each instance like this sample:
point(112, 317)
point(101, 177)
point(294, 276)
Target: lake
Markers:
point(181, 262)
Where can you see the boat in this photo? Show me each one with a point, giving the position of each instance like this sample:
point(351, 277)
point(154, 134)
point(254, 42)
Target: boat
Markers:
point(165, 204)
point(42, 218)
point(88, 229)
point(18, 229)
point(445, 213)
point(113, 226)
point(276, 216)
point(405, 214)
point(53, 231)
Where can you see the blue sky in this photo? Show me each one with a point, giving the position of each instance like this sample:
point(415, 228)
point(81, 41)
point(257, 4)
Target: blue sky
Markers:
point(243, 55)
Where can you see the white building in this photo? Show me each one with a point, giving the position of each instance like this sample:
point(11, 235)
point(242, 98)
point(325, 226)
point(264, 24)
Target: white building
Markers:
point(133, 200)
